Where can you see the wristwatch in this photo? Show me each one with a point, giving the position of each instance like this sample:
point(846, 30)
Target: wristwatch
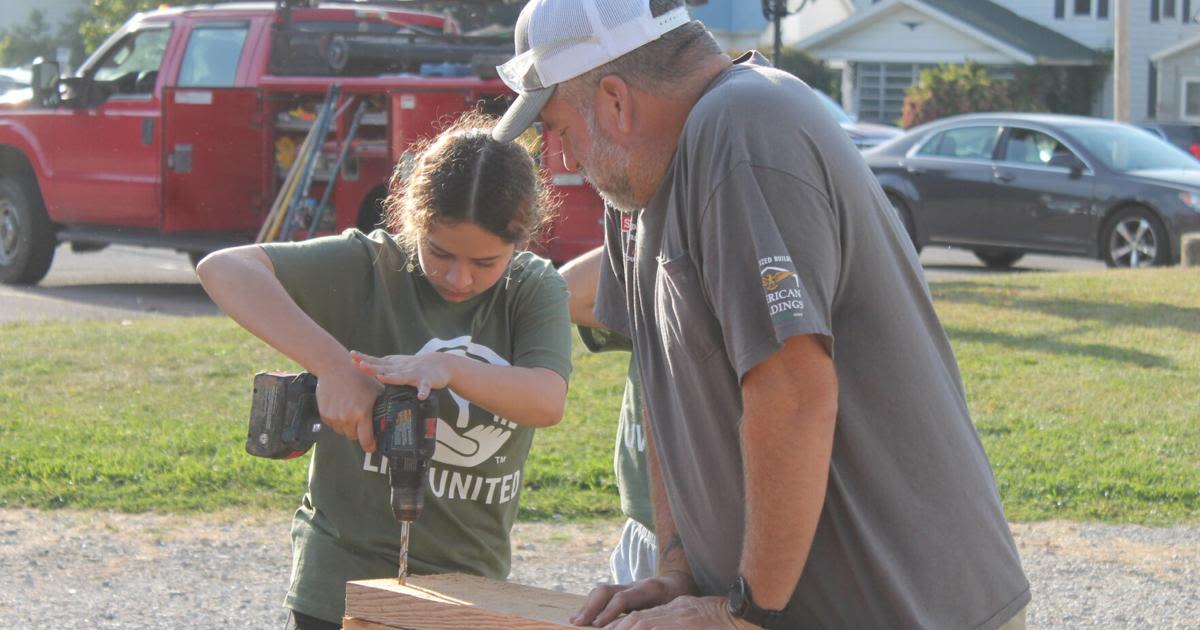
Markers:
point(742, 606)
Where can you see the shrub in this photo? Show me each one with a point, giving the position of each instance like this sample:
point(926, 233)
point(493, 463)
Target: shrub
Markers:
point(950, 89)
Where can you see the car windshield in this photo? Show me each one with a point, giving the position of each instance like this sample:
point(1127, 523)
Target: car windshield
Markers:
point(1130, 149)
point(833, 108)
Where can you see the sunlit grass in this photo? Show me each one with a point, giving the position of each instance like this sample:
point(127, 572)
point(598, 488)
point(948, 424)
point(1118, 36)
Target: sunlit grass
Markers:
point(1085, 389)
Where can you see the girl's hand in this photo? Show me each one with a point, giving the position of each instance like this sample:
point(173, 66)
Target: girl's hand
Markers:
point(424, 372)
point(346, 399)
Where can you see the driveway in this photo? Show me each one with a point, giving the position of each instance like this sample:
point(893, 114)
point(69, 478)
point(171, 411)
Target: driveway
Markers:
point(119, 282)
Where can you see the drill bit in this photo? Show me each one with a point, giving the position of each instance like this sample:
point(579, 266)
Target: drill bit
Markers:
point(404, 526)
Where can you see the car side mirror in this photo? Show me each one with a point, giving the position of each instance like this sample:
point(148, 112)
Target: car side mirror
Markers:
point(44, 80)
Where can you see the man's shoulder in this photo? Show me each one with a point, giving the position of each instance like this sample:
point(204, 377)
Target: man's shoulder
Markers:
point(747, 92)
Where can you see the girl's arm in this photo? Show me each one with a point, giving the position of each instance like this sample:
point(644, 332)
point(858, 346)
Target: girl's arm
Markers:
point(242, 282)
point(532, 397)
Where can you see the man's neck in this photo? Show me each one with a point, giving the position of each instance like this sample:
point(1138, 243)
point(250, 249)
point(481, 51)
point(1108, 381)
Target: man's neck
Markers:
point(665, 117)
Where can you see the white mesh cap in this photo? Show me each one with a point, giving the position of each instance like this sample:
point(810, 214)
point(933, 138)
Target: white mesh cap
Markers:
point(558, 40)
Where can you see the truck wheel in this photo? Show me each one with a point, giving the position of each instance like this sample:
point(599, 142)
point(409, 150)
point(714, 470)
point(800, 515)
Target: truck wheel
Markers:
point(27, 239)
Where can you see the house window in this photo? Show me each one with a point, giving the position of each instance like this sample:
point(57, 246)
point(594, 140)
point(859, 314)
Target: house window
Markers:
point(1083, 7)
point(1060, 9)
point(1191, 98)
point(1153, 10)
point(1102, 9)
point(1168, 8)
point(880, 89)
point(1185, 14)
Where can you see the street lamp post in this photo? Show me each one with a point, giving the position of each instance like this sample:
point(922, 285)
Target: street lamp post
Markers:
point(775, 11)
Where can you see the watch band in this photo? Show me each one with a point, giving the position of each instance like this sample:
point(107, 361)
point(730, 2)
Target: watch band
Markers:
point(742, 606)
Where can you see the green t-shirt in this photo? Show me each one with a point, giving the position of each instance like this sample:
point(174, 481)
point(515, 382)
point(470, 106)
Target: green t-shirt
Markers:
point(629, 457)
point(362, 290)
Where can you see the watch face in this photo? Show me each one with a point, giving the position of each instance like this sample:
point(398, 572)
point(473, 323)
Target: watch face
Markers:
point(737, 597)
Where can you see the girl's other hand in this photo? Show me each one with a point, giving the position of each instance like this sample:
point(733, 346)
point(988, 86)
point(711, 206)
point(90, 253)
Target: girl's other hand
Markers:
point(424, 372)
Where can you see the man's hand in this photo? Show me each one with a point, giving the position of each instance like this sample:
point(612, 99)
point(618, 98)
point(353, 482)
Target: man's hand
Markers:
point(607, 602)
point(684, 613)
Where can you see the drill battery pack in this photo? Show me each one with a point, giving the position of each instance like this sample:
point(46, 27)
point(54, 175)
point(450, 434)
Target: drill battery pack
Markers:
point(284, 421)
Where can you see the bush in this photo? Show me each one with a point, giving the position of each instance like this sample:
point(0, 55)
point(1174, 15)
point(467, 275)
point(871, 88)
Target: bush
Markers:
point(952, 89)
point(813, 71)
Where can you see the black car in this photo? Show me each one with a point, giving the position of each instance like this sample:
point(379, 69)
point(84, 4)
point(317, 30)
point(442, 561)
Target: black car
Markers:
point(1182, 135)
point(1004, 184)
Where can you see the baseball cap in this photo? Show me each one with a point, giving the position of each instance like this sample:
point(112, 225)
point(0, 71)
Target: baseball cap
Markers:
point(558, 40)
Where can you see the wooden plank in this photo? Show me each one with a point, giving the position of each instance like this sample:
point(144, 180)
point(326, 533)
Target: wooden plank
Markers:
point(349, 623)
point(456, 602)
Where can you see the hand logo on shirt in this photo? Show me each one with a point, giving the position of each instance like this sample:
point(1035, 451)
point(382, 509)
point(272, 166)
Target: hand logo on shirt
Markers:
point(461, 444)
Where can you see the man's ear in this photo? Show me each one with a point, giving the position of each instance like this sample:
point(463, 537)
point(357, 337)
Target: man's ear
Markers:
point(614, 108)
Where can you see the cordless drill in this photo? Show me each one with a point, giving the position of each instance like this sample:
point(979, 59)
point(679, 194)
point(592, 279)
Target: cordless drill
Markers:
point(285, 422)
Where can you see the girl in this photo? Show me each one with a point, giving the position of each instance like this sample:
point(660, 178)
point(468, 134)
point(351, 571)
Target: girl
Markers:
point(446, 302)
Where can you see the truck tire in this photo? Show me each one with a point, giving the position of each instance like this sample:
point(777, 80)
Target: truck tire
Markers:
point(27, 238)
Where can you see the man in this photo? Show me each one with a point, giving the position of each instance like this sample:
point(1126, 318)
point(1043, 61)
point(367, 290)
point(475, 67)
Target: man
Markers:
point(635, 555)
point(808, 424)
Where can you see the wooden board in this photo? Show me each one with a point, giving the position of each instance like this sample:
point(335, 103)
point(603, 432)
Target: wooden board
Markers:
point(454, 602)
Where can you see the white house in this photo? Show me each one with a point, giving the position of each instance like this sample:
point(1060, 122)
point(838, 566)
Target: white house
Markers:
point(882, 47)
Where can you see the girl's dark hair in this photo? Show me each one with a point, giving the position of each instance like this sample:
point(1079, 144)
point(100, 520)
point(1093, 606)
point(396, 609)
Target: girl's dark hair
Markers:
point(462, 174)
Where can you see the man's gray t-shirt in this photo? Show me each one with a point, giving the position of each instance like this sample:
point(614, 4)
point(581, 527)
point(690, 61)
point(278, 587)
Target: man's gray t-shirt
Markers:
point(768, 225)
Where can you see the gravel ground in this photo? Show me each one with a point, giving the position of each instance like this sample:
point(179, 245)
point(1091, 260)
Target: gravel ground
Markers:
point(66, 569)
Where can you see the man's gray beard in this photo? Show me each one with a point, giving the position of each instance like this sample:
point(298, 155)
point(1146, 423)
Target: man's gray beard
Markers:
point(615, 203)
point(603, 152)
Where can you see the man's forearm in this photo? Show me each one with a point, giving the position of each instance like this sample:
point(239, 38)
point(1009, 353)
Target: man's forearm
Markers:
point(789, 413)
point(582, 275)
point(670, 547)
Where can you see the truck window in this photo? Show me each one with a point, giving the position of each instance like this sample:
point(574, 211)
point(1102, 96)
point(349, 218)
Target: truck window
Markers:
point(212, 55)
point(131, 67)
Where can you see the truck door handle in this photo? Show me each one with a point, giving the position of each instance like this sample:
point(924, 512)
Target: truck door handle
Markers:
point(147, 131)
point(180, 158)
point(1004, 176)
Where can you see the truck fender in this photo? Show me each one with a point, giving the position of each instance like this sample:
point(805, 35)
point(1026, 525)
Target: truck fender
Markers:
point(22, 155)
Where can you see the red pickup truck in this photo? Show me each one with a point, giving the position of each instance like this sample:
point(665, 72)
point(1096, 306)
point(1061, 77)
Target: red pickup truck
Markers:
point(179, 131)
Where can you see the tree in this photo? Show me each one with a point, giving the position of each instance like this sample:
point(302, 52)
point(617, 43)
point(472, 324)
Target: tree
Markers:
point(106, 16)
point(21, 43)
point(813, 71)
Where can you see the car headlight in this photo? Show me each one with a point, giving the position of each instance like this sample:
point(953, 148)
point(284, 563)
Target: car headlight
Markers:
point(1191, 200)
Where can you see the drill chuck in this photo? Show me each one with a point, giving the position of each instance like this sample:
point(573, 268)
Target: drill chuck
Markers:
point(408, 488)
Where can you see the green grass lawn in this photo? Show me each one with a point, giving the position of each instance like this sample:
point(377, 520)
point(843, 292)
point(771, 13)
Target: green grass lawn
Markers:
point(1085, 389)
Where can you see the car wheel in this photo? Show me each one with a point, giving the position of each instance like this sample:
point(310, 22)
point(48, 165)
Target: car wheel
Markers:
point(1134, 238)
point(905, 218)
point(27, 239)
point(998, 258)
